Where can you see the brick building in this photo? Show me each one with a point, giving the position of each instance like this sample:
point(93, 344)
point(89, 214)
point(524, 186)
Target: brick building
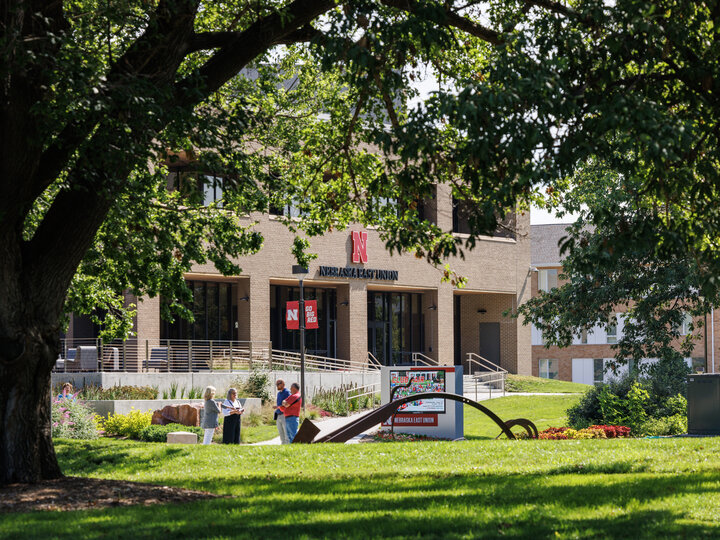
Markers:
point(585, 360)
point(388, 306)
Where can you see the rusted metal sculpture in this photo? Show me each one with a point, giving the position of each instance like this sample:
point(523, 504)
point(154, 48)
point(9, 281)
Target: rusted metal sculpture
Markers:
point(384, 412)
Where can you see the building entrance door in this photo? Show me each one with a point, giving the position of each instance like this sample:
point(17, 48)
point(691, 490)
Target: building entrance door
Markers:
point(490, 342)
point(378, 342)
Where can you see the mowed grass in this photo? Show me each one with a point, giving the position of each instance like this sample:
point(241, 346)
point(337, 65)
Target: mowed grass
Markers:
point(519, 489)
point(524, 383)
point(543, 411)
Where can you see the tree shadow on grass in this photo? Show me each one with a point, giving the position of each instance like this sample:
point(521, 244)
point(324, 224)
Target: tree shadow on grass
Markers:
point(450, 506)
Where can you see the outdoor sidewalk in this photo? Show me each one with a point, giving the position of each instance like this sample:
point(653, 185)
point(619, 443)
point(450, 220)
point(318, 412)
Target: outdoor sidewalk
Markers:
point(326, 426)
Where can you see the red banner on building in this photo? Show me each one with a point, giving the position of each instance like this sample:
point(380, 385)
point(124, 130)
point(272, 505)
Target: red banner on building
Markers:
point(311, 320)
point(292, 315)
point(292, 319)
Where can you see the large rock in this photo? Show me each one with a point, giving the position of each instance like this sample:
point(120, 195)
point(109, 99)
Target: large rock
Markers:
point(185, 414)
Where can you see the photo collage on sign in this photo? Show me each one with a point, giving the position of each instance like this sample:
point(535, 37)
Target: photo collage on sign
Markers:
point(422, 381)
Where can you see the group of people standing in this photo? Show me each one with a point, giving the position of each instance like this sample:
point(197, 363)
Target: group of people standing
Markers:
point(287, 411)
point(287, 414)
point(231, 409)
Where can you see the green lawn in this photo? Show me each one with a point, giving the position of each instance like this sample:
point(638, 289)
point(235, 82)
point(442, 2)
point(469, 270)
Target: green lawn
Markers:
point(524, 383)
point(544, 411)
point(520, 489)
point(643, 488)
point(253, 434)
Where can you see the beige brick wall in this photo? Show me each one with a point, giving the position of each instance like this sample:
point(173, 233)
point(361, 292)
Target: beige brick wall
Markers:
point(497, 268)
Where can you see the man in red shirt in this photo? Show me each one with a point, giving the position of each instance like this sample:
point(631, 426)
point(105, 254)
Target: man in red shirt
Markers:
point(291, 409)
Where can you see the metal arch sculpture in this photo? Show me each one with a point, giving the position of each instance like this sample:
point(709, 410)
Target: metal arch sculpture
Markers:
point(384, 412)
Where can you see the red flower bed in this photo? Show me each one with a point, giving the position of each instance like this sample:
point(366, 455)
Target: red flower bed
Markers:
point(614, 432)
point(553, 433)
point(559, 433)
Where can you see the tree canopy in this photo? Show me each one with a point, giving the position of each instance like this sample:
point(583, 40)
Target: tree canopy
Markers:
point(308, 102)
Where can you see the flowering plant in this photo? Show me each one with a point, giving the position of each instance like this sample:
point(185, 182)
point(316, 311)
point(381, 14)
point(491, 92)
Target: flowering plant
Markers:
point(593, 432)
point(613, 432)
point(73, 420)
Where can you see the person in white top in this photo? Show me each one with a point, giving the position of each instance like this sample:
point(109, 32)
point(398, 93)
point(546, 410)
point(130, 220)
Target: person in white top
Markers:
point(232, 411)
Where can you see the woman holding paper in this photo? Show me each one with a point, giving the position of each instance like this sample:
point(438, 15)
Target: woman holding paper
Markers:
point(232, 410)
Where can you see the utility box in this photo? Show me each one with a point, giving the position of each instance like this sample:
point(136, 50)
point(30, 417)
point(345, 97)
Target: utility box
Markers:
point(703, 395)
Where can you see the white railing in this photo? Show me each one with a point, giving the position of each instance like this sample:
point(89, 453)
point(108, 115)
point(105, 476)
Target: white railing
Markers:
point(420, 358)
point(286, 360)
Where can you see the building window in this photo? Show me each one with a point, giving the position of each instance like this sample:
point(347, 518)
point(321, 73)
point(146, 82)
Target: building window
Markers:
point(611, 331)
point(199, 188)
point(547, 279)
point(598, 370)
point(583, 336)
point(548, 368)
point(697, 364)
point(686, 326)
point(214, 308)
point(395, 326)
point(462, 214)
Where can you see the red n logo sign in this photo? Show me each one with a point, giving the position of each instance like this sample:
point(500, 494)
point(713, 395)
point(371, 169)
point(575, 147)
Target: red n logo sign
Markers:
point(359, 241)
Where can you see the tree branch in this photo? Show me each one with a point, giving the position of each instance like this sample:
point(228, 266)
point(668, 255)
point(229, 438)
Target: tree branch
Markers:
point(217, 40)
point(273, 29)
point(451, 19)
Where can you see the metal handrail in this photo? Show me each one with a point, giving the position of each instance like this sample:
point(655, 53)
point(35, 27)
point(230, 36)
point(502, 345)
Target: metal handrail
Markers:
point(374, 389)
point(374, 361)
point(423, 359)
point(490, 375)
point(484, 363)
point(315, 362)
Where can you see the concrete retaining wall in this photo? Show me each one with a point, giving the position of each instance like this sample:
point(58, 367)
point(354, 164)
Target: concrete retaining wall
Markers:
point(222, 381)
point(124, 406)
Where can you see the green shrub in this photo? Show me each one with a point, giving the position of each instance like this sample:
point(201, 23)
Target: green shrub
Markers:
point(667, 378)
point(631, 403)
point(667, 425)
point(256, 385)
point(673, 406)
point(156, 433)
point(628, 411)
point(127, 425)
point(73, 420)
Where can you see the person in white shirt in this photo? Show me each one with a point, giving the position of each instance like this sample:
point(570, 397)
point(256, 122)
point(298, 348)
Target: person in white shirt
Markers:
point(212, 409)
point(232, 411)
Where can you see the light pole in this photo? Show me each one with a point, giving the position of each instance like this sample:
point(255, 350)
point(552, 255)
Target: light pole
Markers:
point(300, 271)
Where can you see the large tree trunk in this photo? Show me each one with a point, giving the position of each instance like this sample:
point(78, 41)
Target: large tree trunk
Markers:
point(26, 450)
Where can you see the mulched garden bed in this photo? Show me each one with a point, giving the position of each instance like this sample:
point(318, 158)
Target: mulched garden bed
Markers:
point(75, 493)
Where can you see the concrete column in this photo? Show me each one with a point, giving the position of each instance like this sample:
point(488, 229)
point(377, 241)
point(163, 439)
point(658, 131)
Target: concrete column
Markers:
point(342, 331)
point(445, 321)
point(357, 321)
point(148, 326)
point(243, 315)
point(430, 299)
point(259, 309)
point(444, 207)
